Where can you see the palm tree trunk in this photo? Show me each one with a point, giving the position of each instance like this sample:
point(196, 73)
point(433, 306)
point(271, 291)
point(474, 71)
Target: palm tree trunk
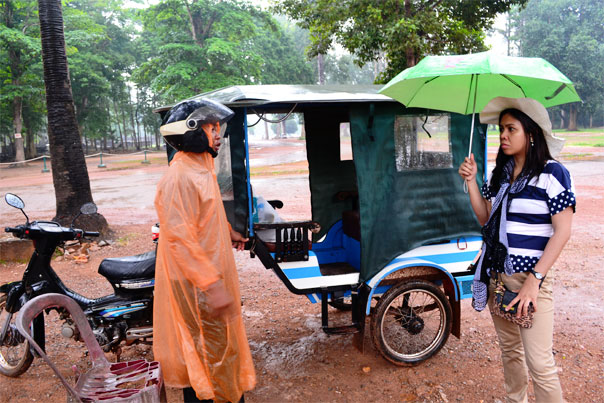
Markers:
point(18, 126)
point(30, 150)
point(69, 171)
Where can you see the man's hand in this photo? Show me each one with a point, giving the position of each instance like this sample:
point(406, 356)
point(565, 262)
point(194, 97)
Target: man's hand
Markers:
point(219, 301)
point(238, 241)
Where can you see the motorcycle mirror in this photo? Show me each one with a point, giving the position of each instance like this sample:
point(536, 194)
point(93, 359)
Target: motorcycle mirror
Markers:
point(88, 208)
point(16, 202)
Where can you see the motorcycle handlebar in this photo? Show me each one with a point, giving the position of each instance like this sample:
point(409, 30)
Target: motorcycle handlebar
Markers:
point(92, 233)
point(17, 230)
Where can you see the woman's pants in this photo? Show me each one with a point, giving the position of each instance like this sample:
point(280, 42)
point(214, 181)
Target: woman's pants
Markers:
point(532, 348)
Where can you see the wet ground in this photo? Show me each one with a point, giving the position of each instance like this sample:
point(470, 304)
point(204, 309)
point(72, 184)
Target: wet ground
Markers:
point(294, 359)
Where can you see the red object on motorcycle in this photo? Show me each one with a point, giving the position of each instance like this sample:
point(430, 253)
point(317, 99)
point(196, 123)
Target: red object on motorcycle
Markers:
point(155, 232)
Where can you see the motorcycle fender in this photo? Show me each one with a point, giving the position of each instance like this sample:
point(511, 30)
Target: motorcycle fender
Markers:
point(6, 287)
point(15, 297)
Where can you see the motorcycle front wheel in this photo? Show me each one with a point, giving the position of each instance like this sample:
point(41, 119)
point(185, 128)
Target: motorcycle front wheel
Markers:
point(15, 356)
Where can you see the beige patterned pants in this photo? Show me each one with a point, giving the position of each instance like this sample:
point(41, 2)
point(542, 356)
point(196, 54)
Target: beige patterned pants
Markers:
point(531, 349)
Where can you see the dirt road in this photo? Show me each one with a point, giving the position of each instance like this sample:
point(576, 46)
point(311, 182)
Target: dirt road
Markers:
point(294, 359)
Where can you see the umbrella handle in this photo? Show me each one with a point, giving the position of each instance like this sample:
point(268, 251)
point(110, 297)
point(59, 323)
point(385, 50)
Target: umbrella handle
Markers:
point(465, 183)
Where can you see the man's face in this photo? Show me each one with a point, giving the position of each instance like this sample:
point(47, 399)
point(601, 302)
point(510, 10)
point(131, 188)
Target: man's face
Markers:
point(216, 137)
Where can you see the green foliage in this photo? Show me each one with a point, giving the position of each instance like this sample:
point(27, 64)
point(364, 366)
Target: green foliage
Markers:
point(570, 35)
point(20, 68)
point(343, 70)
point(200, 45)
point(402, 32)
point(123, 63)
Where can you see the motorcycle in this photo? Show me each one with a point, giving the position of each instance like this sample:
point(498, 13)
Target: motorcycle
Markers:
point(124, 316)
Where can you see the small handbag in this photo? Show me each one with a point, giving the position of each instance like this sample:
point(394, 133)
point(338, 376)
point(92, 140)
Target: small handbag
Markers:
point(501, 300)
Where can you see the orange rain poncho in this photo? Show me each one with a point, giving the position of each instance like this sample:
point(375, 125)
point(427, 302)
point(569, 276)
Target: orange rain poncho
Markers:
point(210, 354)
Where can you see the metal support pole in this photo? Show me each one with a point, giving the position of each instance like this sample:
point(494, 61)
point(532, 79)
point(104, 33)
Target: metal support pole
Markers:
point(44, 169)
point(145, 161)
point(101, 165)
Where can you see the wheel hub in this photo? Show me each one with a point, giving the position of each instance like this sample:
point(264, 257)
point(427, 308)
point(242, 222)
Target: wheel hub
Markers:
point(410, 321)
point(13, 337)
point(414, 325)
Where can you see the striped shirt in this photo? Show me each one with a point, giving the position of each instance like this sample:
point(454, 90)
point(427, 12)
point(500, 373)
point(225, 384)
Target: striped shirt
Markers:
point(529, 216)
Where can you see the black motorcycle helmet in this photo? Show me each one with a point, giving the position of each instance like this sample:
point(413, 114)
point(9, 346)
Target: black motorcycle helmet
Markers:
point(182, 125)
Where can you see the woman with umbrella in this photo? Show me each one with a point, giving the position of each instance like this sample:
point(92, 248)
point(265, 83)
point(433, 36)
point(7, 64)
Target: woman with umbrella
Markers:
point(526, 208)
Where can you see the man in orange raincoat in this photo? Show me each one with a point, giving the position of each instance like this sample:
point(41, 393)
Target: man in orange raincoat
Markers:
point(199, 337)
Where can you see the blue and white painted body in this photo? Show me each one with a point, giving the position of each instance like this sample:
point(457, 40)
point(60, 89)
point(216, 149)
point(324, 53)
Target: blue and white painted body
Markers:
point(307, 275)
point(121, 310)
point(451, 258)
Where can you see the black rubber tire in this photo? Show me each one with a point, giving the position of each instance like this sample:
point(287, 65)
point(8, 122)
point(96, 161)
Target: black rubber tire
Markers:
point(19, 364)
point(390, 313)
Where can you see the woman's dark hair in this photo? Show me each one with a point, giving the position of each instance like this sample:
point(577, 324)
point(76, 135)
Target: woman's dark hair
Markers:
point(537, 154)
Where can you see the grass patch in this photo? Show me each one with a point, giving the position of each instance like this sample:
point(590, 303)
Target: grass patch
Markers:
point(584, 144)
point(124, 240)
point(577, 156)
point(262, 171)
point(585, 130)
point(122, 165)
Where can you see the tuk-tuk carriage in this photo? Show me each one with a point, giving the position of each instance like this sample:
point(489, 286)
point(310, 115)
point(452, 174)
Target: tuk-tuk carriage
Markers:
point(392, 234)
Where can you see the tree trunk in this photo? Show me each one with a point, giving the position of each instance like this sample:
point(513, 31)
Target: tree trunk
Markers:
point(266, 136)
point(119, 129)
point(125, 144)
point(320, 69)
point(69, 171)
point(18, 126)
point(409, 52)
point(30, 150)
point(562, 119)
point(135, 134)
point(572, 118)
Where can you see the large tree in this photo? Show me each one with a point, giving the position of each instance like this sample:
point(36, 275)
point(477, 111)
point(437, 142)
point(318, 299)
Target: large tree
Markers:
point(192, 46)
point(69, 171)
point(22, 52)
point(401, 31)
point(570, 35)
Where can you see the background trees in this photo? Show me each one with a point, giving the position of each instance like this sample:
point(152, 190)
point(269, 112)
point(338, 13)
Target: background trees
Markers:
point(124, 62)
point(20, 75)
point(399, 31)
point(570, 35)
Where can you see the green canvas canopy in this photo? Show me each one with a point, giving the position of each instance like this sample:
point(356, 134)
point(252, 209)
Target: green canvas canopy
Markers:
point(404, 168)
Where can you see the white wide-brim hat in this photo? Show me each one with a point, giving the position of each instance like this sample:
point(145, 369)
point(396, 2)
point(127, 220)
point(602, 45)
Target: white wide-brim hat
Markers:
point(533, 109)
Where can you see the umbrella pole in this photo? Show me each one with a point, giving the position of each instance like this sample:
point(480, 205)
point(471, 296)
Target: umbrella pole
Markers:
point(465, 183)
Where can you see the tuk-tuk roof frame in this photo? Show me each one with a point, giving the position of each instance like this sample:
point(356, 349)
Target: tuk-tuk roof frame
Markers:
point(256, 95)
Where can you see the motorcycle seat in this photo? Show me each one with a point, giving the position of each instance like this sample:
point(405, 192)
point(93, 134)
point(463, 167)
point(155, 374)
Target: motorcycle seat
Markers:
point(128, 267)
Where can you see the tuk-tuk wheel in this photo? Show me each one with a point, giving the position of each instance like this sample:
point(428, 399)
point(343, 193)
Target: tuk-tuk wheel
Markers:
point(411, 322)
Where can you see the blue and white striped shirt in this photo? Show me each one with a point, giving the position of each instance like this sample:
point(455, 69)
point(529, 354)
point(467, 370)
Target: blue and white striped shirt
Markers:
point(529, 217)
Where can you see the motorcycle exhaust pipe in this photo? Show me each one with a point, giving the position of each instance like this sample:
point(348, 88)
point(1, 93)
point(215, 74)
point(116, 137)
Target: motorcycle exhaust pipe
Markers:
point(139, 333)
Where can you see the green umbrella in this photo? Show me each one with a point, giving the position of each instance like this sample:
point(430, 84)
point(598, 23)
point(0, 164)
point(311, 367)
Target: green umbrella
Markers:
point(466, 83)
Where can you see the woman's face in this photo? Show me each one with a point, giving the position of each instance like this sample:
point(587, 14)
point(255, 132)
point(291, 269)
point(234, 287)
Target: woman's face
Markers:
point(511, 136)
